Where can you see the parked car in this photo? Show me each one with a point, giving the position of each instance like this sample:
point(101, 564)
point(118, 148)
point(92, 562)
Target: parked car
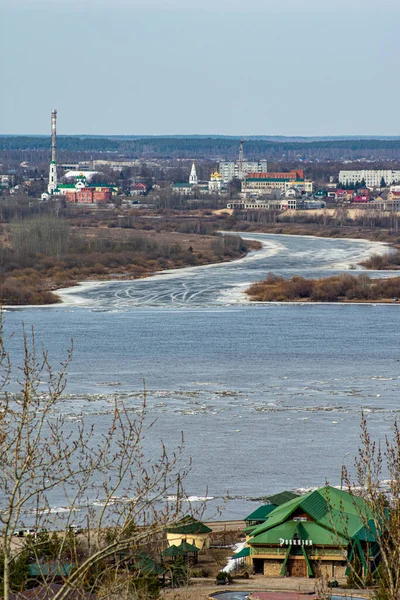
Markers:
point(25, 532)
point(74, 529)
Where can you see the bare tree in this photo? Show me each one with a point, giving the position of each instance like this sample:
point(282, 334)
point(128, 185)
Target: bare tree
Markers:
point(377, 482)
point(47, 459)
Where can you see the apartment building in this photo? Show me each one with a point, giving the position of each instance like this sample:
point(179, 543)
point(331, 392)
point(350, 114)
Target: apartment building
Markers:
point(238, 170)
point(371, 177)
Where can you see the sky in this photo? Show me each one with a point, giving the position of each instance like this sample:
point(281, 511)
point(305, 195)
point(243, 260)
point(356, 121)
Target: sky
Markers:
point(232, 67)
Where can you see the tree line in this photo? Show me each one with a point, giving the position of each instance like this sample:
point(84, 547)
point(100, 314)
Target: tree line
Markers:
point(216, 148)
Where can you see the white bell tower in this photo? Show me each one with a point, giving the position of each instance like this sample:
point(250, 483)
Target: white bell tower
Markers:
point(193, 175)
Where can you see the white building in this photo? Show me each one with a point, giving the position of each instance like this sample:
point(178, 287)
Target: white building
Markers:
point(76, 166)
point(239, 170)
point(74, 174)
point(279, 204)
point(371, 177)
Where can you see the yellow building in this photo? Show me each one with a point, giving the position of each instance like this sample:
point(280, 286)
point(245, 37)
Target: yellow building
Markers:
point(191, 531)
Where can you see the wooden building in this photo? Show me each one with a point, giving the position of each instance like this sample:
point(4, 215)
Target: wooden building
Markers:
point(319, 532)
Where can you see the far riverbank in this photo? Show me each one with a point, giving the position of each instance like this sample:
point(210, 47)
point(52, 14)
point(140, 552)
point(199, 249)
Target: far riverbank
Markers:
point(338, 288)
point(32, 275)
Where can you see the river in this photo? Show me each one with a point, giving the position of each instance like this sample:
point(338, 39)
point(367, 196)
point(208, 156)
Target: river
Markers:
point(269, 397)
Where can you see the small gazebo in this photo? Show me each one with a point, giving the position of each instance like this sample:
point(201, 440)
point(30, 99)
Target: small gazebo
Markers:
point(187, 551)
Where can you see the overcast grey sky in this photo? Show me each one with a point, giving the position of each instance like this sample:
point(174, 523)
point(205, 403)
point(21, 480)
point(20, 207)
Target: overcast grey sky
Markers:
point(273, 67)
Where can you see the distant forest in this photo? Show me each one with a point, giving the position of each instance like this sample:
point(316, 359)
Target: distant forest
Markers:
point(214, 148)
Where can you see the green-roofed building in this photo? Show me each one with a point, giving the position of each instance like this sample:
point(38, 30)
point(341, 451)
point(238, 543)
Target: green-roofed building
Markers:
point(260, 515)
point(184, 550)
point(146, 565)
point(51, 570)
point(320, 531)
point(191, 531)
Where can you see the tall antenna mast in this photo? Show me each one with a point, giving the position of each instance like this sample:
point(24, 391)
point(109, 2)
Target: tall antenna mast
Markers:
point(53, 134)
point(53, 165)
point(241, 158)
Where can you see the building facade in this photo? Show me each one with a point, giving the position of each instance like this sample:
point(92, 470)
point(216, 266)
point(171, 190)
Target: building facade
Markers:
point(287, 203)
point(316, 534)
point(82, 192)
point(238, 170)
point(90, 195)
point(372, 178)
point(191, 531)
point(258, 184)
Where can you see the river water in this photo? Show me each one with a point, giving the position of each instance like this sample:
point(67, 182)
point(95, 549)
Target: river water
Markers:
point(269, 397)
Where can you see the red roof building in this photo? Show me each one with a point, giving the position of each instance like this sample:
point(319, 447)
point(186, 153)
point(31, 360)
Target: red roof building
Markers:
point(139, 189)
point(89, 195)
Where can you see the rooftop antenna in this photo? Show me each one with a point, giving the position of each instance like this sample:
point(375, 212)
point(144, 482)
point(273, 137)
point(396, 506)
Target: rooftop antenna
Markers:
point(241, 158)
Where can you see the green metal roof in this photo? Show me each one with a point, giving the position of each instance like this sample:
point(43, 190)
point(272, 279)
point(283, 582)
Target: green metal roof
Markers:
point(49, 570)
point(333, 509)
point(181, 550)
point(261, 513)
point(189, 525)
point(306, 530)
point(250, 529)
point(72, 186)
point(244, 552)
point(147, 565)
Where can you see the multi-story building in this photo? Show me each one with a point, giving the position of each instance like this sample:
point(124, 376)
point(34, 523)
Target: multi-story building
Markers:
point(372, 178)
point(115, 165)
point(83, 192)
point(258, 184)
point(76, 166)
point(238, 170)
point(90, 195)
